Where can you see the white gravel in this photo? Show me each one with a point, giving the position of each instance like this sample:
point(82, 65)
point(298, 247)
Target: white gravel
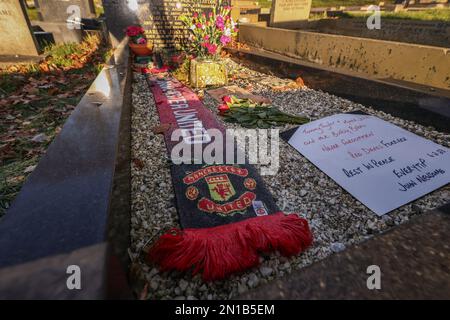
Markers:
point(336, 218)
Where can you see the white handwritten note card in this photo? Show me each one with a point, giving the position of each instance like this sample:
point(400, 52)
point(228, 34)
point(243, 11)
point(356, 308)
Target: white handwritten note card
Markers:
point(380, 164)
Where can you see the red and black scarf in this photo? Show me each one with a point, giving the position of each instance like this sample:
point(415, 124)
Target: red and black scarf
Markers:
point(226, 213)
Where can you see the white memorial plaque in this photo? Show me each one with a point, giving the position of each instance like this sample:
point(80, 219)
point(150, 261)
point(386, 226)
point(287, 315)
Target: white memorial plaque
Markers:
point(380, 164)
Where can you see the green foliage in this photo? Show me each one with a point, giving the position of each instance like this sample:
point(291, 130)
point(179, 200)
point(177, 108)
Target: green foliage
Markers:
point(261, 117)
point(424, 15)
point(62, 54)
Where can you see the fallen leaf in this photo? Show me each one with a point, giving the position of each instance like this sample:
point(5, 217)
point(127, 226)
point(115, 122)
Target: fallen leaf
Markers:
point(138, 163)
point(299, 81)
point(161, 129)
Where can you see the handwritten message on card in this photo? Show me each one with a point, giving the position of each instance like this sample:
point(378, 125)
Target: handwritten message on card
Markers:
point(380, 164)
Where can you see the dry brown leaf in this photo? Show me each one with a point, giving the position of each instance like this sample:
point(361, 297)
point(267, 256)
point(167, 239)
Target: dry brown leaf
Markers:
point(52, 91)
point(138, 163)
point(161, 129)
point(299, 81)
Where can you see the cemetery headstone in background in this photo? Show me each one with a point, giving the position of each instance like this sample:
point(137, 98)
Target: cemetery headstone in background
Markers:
point(16, 37)
point(55, 15)
point(245, 11)
point(289, 11)
point(159, 18)
point(57, 10)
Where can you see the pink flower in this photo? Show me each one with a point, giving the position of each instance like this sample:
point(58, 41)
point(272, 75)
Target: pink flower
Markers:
point(212, 48)
point(206, 37)
point(220, 22)
point(142, 41)
point(225, 39)
point(210, 14)
point(195, 15)
point(199, 25)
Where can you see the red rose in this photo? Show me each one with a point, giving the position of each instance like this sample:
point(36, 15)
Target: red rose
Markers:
point(227, 99)
point(223, 108)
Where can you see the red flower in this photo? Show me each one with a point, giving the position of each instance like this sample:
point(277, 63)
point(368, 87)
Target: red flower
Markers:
point(223, 108)
point(133, 31)
point(227, 99)
point(212, 48)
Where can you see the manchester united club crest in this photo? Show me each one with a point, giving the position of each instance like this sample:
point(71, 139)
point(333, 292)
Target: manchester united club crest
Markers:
point(222, 199)
point(220, 187)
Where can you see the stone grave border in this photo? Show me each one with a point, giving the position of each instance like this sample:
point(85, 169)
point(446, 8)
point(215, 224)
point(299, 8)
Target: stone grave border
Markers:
point(399, 62)
point(74, 209)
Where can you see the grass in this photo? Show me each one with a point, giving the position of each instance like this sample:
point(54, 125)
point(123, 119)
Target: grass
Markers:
point(424, 15)
point(37, 99)
point(62, 54)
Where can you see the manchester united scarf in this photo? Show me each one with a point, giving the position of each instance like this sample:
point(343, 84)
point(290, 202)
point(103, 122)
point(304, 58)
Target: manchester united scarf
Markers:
point(226, 213)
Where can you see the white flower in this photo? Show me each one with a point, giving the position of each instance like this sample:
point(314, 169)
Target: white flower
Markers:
point(227, 32)
point(192, 27)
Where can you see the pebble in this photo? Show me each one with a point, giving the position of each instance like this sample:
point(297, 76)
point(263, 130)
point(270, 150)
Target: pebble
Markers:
point(183, 284)
point(337, 247)
point(253, 280)
point(265, 271)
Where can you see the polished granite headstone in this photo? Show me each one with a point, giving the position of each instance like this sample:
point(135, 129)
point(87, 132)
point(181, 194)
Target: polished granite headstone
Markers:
point(16, 37)
point(159, 18)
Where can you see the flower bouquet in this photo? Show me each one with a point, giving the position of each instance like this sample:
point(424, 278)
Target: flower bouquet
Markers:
point(138, 43)
point(208, 33)
point(250, 114)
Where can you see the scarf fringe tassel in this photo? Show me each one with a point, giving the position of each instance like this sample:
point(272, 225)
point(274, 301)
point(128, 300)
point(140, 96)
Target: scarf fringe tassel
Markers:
point(220, 251)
